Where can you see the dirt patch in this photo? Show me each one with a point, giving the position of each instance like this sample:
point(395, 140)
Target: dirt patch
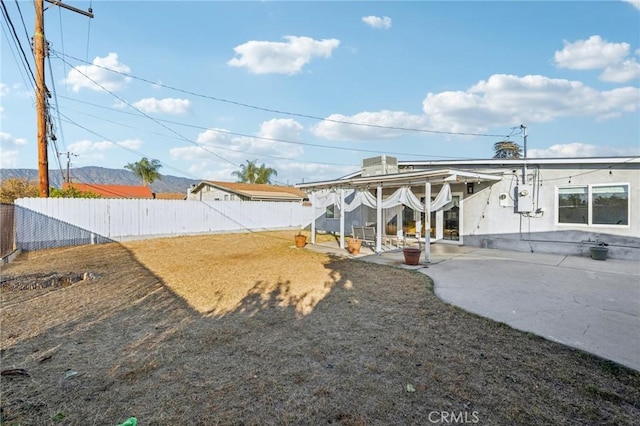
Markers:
point(43, 281)
point(246, 329)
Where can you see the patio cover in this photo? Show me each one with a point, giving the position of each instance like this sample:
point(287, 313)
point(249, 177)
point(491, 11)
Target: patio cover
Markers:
point(402, 196)
point(333, 192)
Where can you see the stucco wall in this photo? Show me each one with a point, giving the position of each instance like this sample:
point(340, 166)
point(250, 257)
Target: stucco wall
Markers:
point(486, 221)
point(488, 224)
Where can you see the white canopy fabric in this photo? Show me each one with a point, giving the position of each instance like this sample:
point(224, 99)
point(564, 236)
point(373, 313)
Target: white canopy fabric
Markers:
point(326, 198)
point(362, 197)
point(442, 199)
point(402, 196)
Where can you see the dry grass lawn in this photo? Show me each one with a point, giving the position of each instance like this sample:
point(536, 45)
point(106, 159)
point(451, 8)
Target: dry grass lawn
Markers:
point(245, 329)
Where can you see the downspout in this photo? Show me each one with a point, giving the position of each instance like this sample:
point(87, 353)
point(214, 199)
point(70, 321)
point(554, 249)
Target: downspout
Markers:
point(313, 217)
point(342, 218)
point(379, 219)
point(524, 164)
point(427, 221)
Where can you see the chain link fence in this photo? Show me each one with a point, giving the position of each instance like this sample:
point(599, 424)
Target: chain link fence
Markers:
point(36, 231)
point(7, 229)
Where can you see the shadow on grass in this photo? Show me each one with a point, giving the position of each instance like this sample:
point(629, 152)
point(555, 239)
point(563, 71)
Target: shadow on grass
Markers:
point(125, 345)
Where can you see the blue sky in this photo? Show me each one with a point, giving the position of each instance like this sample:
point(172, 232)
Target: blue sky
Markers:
point(312, 88)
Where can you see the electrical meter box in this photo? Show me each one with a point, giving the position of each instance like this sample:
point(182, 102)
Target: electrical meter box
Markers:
point(525, 199)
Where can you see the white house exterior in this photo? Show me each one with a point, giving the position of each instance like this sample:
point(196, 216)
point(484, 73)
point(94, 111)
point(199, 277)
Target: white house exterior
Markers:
point(557, 207)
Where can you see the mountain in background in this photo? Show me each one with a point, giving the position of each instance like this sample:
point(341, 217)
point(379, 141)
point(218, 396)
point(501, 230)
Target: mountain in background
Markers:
point(101, 175)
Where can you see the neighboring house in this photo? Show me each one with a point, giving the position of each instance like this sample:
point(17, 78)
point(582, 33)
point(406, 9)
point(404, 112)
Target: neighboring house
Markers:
point(558, 205)
point(113, 191)
point(230, 191)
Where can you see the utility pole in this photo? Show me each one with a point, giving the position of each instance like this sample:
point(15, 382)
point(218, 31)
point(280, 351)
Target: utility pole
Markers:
point(41, 113)
point(68, 154)
point(39, 43)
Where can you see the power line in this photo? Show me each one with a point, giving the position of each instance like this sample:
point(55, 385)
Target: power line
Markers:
point(221, 147)
point(592, 171)
point(270, 139)
point(151, 118)
point(64, 67)
point(21, 69)
point(24, 25)
point(293, 114)
point(138, 153)
point(52, 135)
point(7, 18)
point(324, 146)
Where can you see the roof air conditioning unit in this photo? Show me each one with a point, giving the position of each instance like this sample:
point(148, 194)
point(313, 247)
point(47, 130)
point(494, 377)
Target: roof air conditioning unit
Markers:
point(381, 165)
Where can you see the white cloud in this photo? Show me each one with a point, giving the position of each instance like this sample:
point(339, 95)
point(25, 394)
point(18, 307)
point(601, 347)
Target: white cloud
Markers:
point(130, 143)
point(281, 128)
point(167, 105)
point(4, 91)
point(507, 99)
point(219, 142)
point(501, 101)
point(635, 3)
point(335, 130)
point(96, 150)
point(82, 75)
point(596, 53)
point(218, 145)
point(582, 150)
point(623, 72)
point(266, 57)
point(10, 149)
point(377, 22)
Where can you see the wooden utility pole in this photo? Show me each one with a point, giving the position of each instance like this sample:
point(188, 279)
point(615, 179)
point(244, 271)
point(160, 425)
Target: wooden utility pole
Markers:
point(39, 48)
point(41, 109)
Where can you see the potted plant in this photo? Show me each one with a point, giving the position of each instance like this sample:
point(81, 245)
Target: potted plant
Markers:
point(411, 255)
point(599, 250)
point(354, 245)
point(301, 240)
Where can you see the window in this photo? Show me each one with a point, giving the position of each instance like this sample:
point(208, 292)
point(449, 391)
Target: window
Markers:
point(572, 205)
point(226, 197)
point(610, 204)
point(331, 212)
point(594, 204)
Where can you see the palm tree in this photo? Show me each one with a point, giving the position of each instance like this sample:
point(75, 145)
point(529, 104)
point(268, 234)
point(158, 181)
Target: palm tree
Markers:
point(264, 174)
point(146, 169)
point(251, 173)
point(507, 150)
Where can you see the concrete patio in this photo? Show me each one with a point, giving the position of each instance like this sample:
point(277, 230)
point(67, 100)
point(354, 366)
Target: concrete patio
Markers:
point(580, 302)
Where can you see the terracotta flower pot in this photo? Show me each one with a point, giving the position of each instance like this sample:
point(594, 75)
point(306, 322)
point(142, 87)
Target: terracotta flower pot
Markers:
point(411, 255)
point(353, 246)
point(301, 240)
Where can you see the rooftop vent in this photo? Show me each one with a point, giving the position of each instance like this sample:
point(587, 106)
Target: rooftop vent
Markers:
point(381, 165)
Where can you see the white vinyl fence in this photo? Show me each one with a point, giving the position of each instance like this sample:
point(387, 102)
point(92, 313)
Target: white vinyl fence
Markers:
point(58, 222)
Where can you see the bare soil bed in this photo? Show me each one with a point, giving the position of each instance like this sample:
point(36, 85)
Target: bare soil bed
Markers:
point(246, 329)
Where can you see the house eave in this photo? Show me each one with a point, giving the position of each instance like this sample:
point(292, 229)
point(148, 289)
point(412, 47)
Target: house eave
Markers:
point(400, 179)
point(522, 161)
